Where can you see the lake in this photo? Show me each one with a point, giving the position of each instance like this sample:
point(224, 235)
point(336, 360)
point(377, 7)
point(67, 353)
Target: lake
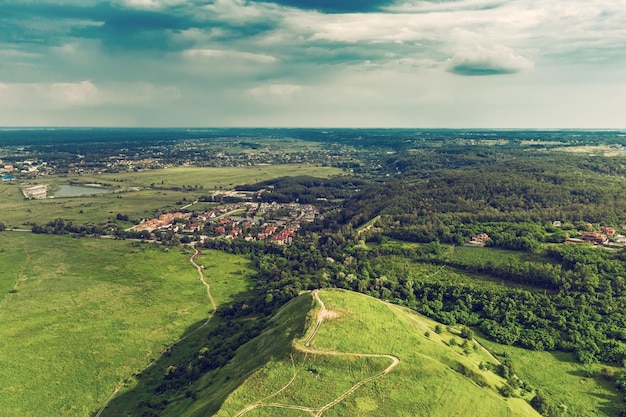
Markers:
point(77, 190)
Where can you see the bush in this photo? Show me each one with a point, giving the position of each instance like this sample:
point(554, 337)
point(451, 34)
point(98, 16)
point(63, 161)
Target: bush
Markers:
point(466, 333)
point(620, 382)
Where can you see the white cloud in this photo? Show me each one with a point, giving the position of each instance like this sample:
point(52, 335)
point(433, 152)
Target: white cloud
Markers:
point(83, 94)
point(221, 54)
point(74, 94)
point(281, 92)
point(149, 4)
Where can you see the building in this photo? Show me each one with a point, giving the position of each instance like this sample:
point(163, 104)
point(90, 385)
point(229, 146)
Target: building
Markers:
point(609, 231)
point(594, 238)
point(36, 192)
point(479, 239)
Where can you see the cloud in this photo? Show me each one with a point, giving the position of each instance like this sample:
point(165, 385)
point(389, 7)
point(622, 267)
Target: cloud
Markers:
point(220, 54)
point(337, 6)
point(260, 61)
point(83, 94)
point(488, 61)
point(279, 92)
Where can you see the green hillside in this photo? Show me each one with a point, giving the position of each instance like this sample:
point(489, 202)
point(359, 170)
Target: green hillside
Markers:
point(79, 316)
point(361, 356)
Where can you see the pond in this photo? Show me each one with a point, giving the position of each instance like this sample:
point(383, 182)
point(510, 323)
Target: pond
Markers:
point(78, 190)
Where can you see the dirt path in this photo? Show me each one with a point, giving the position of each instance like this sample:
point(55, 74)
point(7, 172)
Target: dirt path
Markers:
point(192, 260)
point(323, 314)
point(438, 270)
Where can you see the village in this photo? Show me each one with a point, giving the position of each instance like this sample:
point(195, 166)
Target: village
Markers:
point(274, 222)
point(608, 238)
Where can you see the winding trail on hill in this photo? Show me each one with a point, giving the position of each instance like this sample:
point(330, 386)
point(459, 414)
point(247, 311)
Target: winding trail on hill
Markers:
point(322, 315)
point(201, 278)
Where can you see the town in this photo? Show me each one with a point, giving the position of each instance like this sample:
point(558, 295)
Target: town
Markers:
point(274, 222)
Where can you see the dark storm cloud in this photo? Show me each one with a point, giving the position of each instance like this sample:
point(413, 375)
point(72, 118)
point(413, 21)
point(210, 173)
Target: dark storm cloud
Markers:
point(488, 61)
point(478, 69)
point(135, 29)
point(118, 27)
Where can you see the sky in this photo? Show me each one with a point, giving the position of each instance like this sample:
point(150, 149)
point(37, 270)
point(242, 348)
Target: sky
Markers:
point(314, 63)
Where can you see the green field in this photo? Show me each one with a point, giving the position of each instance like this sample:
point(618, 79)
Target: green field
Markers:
point(398, 266)
point(79, 316)
point(471, 255)
point(578, 389)
point(425, 382)
point(132, 197)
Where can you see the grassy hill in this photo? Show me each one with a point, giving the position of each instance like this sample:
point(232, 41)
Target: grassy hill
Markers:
point(78, 316)
point(362, 357)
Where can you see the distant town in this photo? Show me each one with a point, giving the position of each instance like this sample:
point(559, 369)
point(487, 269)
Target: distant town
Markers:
point(273, 222)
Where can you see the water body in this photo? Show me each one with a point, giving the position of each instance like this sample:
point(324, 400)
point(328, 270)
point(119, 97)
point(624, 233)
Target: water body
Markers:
point(78, 190)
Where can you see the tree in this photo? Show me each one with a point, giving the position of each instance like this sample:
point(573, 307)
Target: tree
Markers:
point(542, 404)
point(620, 382)
point(466, 333)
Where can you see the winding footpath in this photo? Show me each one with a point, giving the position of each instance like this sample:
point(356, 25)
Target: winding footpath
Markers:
point(192, 260)
point(317, 412)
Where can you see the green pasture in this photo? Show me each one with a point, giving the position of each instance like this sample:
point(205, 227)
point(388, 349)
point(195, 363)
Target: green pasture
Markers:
point(209, 178)
point(426, 382)
point(398, 266)
point(472, 255)
point(577, 389)
point(132, 194)
point(86, 314)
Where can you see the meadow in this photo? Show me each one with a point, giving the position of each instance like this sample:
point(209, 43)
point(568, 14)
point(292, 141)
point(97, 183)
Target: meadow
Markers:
point(578, 390)
point(398, 266)
point(133, 195)
point(427, 380)
point(79, 316)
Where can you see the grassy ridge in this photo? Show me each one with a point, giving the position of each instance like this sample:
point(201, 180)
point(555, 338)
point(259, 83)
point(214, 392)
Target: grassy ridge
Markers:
point(88, 313)
point(270, 347)
point(426, 382)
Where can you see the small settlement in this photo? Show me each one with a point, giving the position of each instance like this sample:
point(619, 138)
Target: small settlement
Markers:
point(608, 238)
point(274, 222)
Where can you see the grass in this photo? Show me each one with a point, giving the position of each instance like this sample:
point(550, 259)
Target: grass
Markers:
point(470, 255)
point(88, 313)
point(424, 383)
point(209, 178)
point(270, 347)
point(422, 272)
point(137, 204)
point(577, 387)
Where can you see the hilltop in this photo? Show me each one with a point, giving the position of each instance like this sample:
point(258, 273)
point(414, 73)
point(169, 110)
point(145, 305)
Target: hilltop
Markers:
point(356, 355)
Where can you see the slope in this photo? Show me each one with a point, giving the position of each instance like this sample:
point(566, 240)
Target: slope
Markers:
point(361, 356)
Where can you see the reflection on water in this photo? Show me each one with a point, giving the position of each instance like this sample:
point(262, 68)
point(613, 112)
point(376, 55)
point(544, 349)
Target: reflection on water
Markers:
point(76, 190)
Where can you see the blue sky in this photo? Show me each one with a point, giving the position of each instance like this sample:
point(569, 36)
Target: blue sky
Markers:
point(310, 63)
